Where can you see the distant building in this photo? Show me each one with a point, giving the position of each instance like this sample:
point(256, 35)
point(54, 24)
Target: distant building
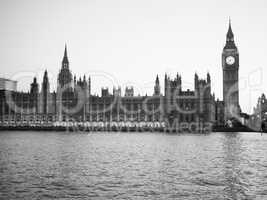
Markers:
point(7, 84)
point(259, 114)
point(73, 100)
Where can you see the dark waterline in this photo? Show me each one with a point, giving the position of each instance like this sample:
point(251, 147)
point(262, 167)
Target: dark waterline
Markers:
point(47, 165)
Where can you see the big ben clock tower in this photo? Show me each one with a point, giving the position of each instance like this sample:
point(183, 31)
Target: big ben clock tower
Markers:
point(230, 66)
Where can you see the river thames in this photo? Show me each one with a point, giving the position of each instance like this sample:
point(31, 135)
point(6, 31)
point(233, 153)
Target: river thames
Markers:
point(48, 165)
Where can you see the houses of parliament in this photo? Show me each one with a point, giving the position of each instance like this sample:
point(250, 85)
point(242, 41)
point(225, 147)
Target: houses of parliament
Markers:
point(168, 104)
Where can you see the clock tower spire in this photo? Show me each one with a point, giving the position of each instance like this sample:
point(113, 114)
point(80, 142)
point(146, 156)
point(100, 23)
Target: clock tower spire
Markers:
point(230, 67)
point(230, 43)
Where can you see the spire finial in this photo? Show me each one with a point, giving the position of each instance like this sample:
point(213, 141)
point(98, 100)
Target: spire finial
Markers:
point(65, 52)
point(157, 79)
point(45, 74)
point(230, 43)
point(230, 35)
point(65, 58)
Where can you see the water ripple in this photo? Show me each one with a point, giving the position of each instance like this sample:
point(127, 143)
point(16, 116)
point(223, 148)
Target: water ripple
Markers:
point(38, 165)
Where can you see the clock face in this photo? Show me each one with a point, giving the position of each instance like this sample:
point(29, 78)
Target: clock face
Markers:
point(230, 60)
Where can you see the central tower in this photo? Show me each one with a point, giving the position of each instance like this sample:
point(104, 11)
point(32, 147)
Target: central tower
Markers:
point(65, 76)
point(230, 67)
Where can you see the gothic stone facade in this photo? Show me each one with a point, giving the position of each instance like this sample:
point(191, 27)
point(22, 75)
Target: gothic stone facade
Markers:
point(73, 99)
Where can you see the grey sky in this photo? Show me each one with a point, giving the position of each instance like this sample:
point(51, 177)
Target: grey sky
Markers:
point(132, 41)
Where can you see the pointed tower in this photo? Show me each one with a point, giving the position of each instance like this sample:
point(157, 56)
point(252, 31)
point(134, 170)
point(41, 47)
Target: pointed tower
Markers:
point(230, 67)
point(89, 85)
point(166, 85)
point(65, 86)
point(157, 87)
point(65, 60)
point(45, 93)
point(196, 82)
point(208, 86)
point(65, 76)
point(230, 43)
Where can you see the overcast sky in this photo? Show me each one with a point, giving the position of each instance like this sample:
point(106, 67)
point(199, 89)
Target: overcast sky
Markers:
point(123, 42)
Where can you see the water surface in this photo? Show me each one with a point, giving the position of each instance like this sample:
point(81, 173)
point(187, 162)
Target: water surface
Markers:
point(47, 165)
